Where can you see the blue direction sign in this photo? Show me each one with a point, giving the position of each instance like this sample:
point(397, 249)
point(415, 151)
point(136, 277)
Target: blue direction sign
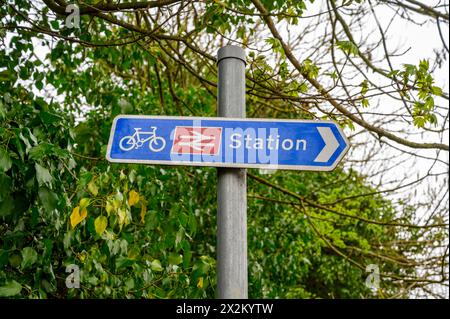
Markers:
point(227, 142)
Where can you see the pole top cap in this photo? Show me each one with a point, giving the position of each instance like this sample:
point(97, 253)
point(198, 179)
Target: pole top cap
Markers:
point(231, 51)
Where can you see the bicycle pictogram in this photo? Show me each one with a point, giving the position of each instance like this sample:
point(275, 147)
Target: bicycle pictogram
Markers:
point(136, 141)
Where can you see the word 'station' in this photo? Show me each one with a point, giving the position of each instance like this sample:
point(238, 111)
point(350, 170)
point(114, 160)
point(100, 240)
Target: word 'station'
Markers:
point(225, 142)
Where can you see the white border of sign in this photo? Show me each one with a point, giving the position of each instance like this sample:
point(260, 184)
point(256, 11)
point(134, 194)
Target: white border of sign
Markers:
point(229, 165)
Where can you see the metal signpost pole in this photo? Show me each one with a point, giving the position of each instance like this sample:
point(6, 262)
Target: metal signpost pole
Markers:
point(232, 188)
point(226, 142)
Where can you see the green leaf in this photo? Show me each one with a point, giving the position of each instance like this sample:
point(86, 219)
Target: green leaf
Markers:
point(409, 68)
point(6, 206)
point(419, 121)
point(5, 160)
point(11, 288)
point(85, 178)
point(39, 151)
point(200, 268)
point(364, 102)
point(43, 149)
point(348, 47)
point(84, 203)
point(393, 73)
point(29, 257)
point(123, 262)
point(43, 175)
point(364, 87)
point(55, 24)
point(15, 260)
point(2, 110)
point(39, 85)
point(436, 90)
point(424, 65)
point(129, 283)
point(5, 186)
point(8, 75)
point(156, 265)
point(50, 118)
point(3, 258)
point(175, 259)
point(48, 198)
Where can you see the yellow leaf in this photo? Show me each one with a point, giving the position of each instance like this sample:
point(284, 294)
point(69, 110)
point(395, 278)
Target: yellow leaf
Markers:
point(200, 283)
point(83, 213)
point(133, 197)
point(143, 212)
point(76, 217)
point(109, 208)
point(100, 224)
point(84, 202)
point(82, 256)
point(93, 188)
point(122, 214)
point(117, 203)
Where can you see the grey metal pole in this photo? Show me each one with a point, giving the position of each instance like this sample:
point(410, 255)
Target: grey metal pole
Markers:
point(232, 282)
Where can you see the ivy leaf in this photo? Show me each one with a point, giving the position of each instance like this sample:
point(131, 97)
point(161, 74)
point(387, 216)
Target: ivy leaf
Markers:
point(133, 197)
point(6, 206)
point(48, 198)
point(43, 149)
point(76, 217)
point(50, 118)
point(143, 212)
point(39, 151)
point(85, 178)
point(5, 160)
point(55, 24)
point(123, 262)
point(43, 175)
point(5, 188)
point(156, 265)
point(39, 85)
point(175, 259)
point(122, 216)
point(8, 75)
point(84, 203)
point(200, 283)
point(116, 203)
point(15, 260)
point(100, 224)
point(11, 288)
point(29, 257)
point(93, 189)
point(109, 208)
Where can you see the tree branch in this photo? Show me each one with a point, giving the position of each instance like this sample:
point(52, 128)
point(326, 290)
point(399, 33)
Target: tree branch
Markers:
point(107, 6)
point(381, 132)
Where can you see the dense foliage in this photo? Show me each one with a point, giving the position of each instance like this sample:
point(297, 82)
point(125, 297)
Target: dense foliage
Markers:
point(150, 231)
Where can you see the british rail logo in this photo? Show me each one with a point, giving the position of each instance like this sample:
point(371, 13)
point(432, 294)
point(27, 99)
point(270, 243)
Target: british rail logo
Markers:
point(196, 140)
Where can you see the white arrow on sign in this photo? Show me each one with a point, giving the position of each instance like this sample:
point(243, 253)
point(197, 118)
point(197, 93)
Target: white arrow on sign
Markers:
point(331, 144)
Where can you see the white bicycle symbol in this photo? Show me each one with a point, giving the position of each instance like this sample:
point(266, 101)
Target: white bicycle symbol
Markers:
point(135, 141)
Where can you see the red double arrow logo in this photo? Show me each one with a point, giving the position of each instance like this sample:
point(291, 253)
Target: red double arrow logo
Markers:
point(196, 140)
